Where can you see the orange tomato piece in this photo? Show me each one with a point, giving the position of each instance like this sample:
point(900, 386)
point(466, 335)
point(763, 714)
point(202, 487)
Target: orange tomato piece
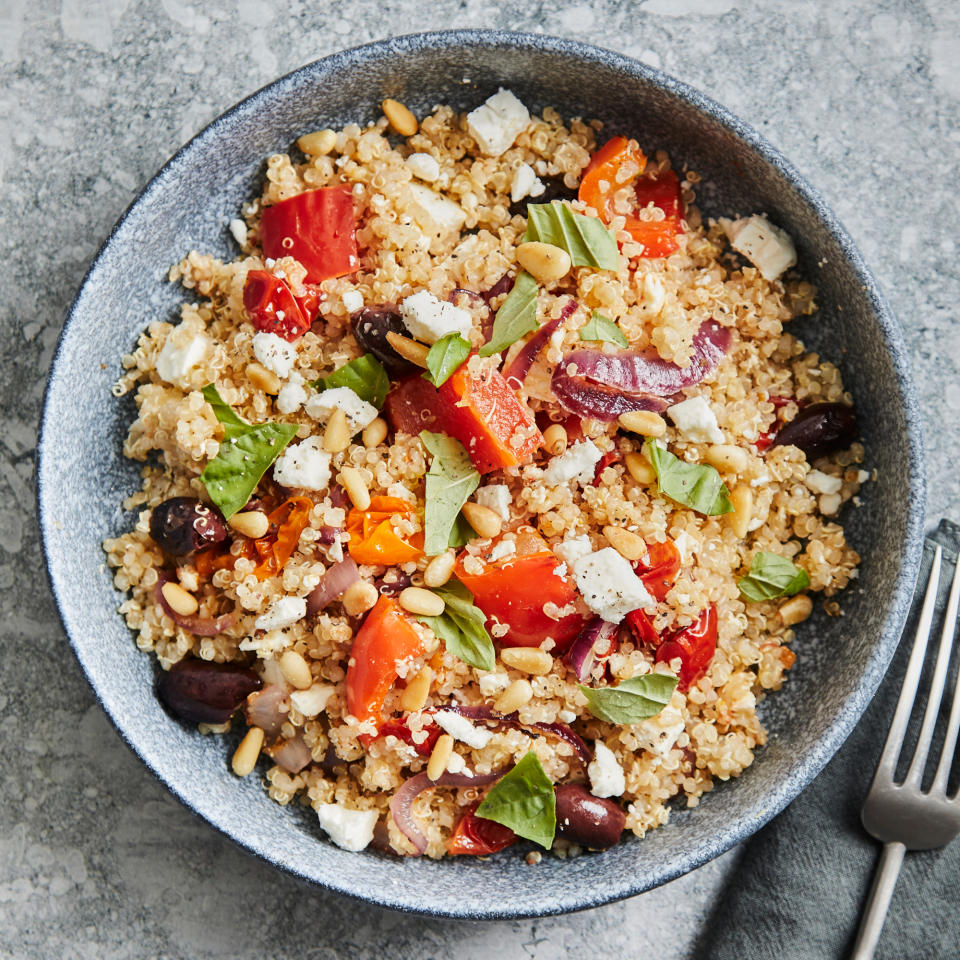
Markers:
point(287, 522)
point(659, 571)
point(599, 180)
point(373, 539)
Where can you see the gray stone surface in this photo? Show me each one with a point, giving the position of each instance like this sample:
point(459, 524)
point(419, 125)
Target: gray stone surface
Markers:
point(95, 859)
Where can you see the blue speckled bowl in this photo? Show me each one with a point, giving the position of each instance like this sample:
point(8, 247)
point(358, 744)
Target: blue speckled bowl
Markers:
point(83, 477)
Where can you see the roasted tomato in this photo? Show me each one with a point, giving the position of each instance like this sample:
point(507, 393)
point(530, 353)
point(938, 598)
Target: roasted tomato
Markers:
point(694, 645)
point(478, 837)
point(659, 571)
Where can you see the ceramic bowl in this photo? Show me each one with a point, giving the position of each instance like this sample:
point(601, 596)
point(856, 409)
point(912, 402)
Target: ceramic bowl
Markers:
point(83, 477)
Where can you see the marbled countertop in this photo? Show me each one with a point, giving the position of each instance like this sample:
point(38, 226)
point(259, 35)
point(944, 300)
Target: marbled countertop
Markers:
point(96, 860)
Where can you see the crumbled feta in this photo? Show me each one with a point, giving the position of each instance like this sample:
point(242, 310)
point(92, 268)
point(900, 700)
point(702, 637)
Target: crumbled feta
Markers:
point(696, 421)
point(239, 230)
point(456, 763)
point(605, 772)
point(275, 353)
point(659, 733)
point(820, 482)
point(313, 700)
point(570, 551)
point(460, 728)
point(268, 644)
point(352, 301)
point(502, 549)
point(566, 716)
point(609, 586)
point(350, 829)
point(760, 481)
point(430, 319)
point(767, 247)
point(283, 612)
point(497, 122)
point(181, 352)
point(863, 476)
point(525, 183)
point(685, 544)
point(435, 213)
point(496, 497)
point(493, 682)
point(829, 503)
point(359, 413)
point(305, 464)
point(423, 166)
point(577, 462)
point(292, 395)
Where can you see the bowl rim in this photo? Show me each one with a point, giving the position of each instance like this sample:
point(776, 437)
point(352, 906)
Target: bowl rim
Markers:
point(848, 713)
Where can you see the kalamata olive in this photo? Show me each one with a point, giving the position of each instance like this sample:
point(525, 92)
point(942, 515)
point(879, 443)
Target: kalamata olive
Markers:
point(371, 326)
point(181, 525)
point(820, 429)
point(205, 692)
point(556, 189)
point(588, 820)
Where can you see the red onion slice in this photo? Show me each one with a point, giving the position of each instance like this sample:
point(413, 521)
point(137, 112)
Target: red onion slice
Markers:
point(517, 372)
point(332, 584)
point(267, 709)
point(586, 399)
point(200, 626)
point(580, 657)
point(293, 755)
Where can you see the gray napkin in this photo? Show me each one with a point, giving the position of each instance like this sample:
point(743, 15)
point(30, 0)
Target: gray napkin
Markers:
point(799, 889)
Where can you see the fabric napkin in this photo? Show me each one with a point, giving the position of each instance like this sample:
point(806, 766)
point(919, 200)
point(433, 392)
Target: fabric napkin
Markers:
point(803, 880)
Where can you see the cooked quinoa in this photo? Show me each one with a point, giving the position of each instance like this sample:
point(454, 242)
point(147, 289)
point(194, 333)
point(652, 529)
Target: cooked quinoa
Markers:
point(589, 488)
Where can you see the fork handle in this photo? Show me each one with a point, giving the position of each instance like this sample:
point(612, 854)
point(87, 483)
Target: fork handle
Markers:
point(879, 901)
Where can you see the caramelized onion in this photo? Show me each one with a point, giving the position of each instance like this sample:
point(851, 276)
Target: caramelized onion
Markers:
point(267, 709)
point(200, 626)
point(519, 367)
point(293, 755)
point(332, 584)
point(580, 657)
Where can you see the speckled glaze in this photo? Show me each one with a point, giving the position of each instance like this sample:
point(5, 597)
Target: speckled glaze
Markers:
point(83, 477)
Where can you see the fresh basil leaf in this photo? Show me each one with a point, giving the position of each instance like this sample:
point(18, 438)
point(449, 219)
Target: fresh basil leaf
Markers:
point(462, 627)
point(771, 576)
point(599, 327)
point(461, 533)
point(586, 239)
point(233, 425)
point(449, 482)
point(516, 317)
point(524, 801)
point(365, 376)
point(444, 357)
point(694, 485)
point(633, 700)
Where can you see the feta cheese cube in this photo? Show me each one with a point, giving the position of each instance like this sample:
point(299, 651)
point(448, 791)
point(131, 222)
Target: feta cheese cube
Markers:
point(696, 421)
point(350, 829)
point(570, 551)
point(495, 496)
point(423, 166)
point(430, 319)
point(609, 586)
point(182, 351)
point(820, 482)
point(493, 682)
point(659, 733)
point(305, 465)
point(605, 772)
point(577, 462)
point(292, 395)
point(434, 213)
point(502, 549)
point(282, 613)
point(767, 247)
point(497, 122)
point(359, 413)
point(456, 764)
point(352, 301)
point(525, 183)
point(460, 728)
point(313, 700)
point(685, 545)
point(275, 353)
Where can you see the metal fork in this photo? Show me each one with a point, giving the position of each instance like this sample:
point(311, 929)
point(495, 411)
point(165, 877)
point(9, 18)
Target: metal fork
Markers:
point(902, 815)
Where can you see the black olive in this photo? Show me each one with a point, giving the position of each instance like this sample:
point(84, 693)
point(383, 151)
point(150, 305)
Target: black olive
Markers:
point(204, 692)
point(371, 326)
point(181, 525)
point(820, 429)
point(588, 820)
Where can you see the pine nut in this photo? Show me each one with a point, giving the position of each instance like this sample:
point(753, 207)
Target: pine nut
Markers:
point(795, 610)
point(515, 696)
point(375, 432)
point(727, 458)
point(488, 523)
point(439, 570)
point(421, 602)
point(359, 597)
point(251, 523)
point(440, 757)
point(319, 143)
point(409, 349)
point(356, 488)
point(629, 545)
point(741, 497)
point(544, 261)
point(246, 754)
point(401, 119)
point(555, 439)
point(645, 422)
point(296, 670)
point(414, 696)
point(640, 468)
point(530, 660)
point(336, 436)
point(179, 600)
point(263, 379)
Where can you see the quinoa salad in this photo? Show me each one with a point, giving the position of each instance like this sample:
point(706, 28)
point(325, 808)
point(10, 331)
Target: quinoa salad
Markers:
point(483, 491)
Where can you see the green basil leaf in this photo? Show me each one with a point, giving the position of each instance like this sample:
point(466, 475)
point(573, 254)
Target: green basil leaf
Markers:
point(516, 317)
point(444, 357)
point(771, 576)
point(586, 239)
point(462, 627)
point(461, 533)
point(524, 801)
point(365, 376)
point(599, 327)
point(233, 425)
point(449, 482)
point(633, 700)
point(694, 485)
